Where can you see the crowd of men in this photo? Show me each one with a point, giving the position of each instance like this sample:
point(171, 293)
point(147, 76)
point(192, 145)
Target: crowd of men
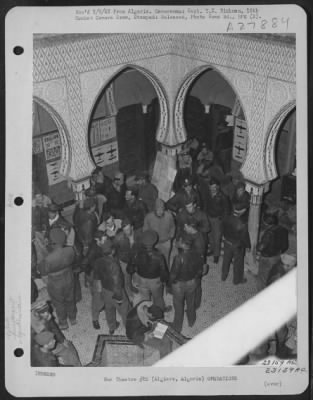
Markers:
point(132, 248)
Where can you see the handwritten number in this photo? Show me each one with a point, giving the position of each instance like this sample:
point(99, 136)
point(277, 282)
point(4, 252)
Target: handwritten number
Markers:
point(263, 24)
point(285, 21)
point(274, 22)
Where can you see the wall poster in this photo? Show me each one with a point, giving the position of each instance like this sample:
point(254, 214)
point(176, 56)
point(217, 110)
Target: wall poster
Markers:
point(102, 129)
point(52, 145)
point(105, 154)
point(240, 140)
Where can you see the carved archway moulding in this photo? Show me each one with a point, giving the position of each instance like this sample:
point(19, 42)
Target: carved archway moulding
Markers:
point(102, 78)
point(66, 155)
point(271, 135)
point(180, 129)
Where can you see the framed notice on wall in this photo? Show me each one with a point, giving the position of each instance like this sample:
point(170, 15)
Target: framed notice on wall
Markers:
point(53, 172)
point(105, 154)
point(52, 146)
point(240, 140)
point(101, 130)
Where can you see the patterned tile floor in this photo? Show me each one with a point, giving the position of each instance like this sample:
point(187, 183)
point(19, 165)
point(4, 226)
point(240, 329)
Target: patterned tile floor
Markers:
point(218, 299)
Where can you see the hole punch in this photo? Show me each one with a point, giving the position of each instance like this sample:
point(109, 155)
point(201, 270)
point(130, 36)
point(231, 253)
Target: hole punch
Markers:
point(18, 201)
point(18, 50)
point(18, 352)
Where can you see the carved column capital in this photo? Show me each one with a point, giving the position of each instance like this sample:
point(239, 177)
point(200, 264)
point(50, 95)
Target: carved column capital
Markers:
point(79, 188)
point(256, 192)
point(171, 150)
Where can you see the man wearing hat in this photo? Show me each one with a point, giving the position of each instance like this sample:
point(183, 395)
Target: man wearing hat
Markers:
point(42, 320)
point(139, 327)
point(110, 283)
point(126, 242)
point(56, 270)
point(229, 184)
point(191, 215)
point(218, 208)
point(241, 199)
point(41, 350)
point(162, 222)
point(87, 224)
point(236, 241)
point(135, 210)
point(56, 220)
point(100, 182)
point(95, 251)
point(40, 205)
point(186, 270)
point(147, 192)
point(273, 242)
point(116, 195)
point(79, 207)
point(185, 193)
point(148, 270)
point(110, 225)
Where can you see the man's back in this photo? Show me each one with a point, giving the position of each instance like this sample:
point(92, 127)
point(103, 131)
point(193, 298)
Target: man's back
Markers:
point(58, 259)
point(236, 231)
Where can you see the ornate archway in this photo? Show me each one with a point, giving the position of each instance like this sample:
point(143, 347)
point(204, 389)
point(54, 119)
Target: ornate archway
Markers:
point(179, 124)
point(271, 135)
point(161, 94)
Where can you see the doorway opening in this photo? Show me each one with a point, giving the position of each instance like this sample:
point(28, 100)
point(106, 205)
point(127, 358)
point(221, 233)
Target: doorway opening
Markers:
point(47, 158)
point(214, 117)
point(123, 125)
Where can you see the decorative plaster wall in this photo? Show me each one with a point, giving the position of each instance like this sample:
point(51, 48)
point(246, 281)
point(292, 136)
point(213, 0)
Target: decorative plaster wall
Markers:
point(93, 83)
point(241, 83)
point(239, 52)
point(170, 70)
point(262, 71)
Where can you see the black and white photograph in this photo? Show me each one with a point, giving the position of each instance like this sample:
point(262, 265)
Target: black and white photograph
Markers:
point(164, 210)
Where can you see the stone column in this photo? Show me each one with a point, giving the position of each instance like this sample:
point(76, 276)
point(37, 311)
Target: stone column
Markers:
point(256, 192)
point(79, 187)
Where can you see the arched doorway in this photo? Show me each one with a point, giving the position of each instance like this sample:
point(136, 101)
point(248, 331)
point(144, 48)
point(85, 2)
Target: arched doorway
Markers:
point(50, 158)
point(123, 124)
point(213, 115)
point(283, 189)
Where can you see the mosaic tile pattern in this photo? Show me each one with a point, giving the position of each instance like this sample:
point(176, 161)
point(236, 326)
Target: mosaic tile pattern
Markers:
point(248, 64)
point(218, 299)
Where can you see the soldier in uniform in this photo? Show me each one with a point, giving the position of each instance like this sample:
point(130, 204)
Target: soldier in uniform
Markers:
point(56, 271)
point(186, 270)
point(274, 241)
point(217, 208)
point(148, 270)
point(236, 241)
point(135, 210)
point(110, 283)
point(184, 194)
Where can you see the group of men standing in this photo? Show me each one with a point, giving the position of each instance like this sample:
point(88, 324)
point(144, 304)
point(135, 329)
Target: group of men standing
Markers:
point(133, 247)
